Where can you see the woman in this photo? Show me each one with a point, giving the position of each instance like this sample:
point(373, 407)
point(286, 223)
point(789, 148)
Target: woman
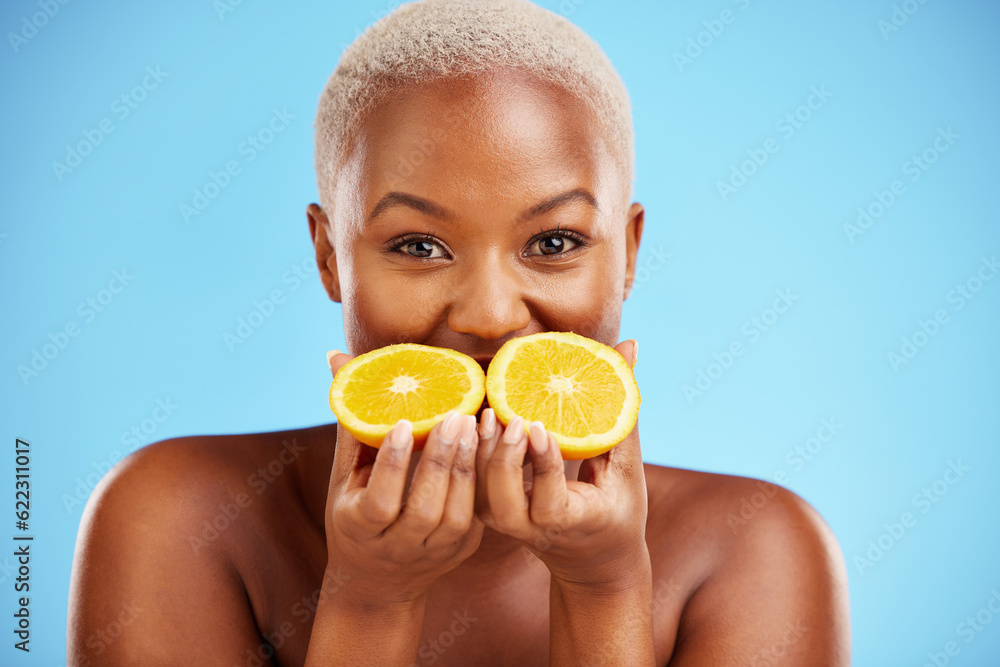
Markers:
point(475, 170)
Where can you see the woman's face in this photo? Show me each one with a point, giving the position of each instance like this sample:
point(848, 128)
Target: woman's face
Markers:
point(474, 211)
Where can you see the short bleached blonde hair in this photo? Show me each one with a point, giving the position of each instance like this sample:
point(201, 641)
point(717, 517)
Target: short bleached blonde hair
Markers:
point(435, 39)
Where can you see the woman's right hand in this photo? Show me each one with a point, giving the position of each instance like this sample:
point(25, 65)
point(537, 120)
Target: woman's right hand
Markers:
point(392, 544)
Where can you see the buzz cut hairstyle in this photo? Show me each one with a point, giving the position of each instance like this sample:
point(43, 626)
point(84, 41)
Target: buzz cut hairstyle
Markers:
point(430, 40)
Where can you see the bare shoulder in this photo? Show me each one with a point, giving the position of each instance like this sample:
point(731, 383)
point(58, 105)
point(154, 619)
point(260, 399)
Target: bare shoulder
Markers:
point(153, 557)
point(770, 584)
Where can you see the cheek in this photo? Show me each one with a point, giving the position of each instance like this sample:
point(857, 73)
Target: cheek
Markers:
point(591, 303)
point(384, 307)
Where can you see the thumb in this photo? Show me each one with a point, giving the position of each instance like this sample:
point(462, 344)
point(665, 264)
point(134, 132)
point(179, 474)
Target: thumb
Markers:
point(352, 459)
point(630, 350)
point(336, 360)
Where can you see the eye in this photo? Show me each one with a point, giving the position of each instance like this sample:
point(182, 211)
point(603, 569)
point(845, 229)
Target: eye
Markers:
point(556, 242)
point(419, 246)
point(422, 249)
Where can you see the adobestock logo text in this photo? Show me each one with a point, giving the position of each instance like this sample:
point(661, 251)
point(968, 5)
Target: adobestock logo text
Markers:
point(87, 310)
point(121, 107)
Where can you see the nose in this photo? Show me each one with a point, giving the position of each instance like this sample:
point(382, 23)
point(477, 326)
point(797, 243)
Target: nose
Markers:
point(488, 300)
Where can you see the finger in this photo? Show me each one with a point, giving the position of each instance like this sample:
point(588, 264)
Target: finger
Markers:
point(621, 462)
point(336, 360)
point(625, 458)
point(382, 499)
point(352, 461)
point(429, 488)
point(458, 509)
point(350, 456)
point(629, 349)
point(505, 481)
point(548, 486)
point(490, 431)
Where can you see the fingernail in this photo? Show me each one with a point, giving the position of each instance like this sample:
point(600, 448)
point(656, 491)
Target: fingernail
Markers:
point(468, 431)
point(514, 430)
point(400, 435)
point(489, 423)
point(329, 357)
point(537, 436)
point(635, 353)
point(449, 428)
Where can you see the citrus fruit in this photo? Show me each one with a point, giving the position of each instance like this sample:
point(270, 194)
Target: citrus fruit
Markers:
point(582, 391)
point(421, 383)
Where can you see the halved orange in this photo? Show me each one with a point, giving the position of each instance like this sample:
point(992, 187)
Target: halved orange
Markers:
point(421, 383)
point(582, 391)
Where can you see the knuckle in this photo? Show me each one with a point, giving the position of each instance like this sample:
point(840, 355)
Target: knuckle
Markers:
point(454, 525)
point(506, 524)
point(420, 516)
point(393, 460)
point(464, 469)
point(380, 511)
point(422, 491)
point(549, 468)
point(435, 462)
point(502, 465)
point(421, 524)
point(544, 517)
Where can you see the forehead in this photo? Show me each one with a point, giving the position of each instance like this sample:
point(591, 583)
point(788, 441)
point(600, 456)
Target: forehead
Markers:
point(502, 137)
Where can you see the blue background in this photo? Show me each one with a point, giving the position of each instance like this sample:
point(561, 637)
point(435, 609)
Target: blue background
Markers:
point(708, 264)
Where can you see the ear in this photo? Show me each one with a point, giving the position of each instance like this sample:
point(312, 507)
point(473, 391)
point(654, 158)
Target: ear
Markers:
point(633, 235)
point(326, 257)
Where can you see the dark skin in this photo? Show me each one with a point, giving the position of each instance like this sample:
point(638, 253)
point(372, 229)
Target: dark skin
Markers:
point(491, 553)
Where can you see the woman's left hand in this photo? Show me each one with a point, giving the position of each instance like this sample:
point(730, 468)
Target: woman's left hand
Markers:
point(589, 531)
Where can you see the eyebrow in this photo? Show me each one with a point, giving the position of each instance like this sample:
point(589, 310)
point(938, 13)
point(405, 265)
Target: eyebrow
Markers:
point(427, 207)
